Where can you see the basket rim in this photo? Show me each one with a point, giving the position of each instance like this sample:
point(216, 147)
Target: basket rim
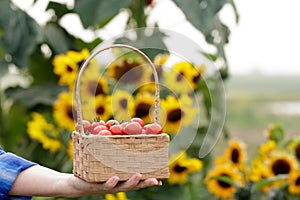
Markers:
point(123, 136)
point(79, 119)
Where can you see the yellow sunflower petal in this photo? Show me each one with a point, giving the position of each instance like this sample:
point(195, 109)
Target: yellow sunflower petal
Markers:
point(122, 105)
point(63, 111)
point(45, 133)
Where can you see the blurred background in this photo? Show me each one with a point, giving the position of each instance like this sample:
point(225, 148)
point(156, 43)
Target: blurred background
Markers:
point(262, 55)
point(253, 44)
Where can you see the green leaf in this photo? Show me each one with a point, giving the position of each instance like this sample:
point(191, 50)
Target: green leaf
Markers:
point(59, 9)
point(227, 180)
point(41, 69)
point(57, 38)
point(211, 57)
point(80, 44)
point(45, 94)
point(98, 13)
point(269, 181)
point(3, 67)
point(15, 127)
point(203, 15)
point(150, 43)
point(20, 33)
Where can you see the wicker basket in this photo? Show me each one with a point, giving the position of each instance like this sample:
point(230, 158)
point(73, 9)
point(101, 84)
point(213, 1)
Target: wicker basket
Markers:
point(97, 158)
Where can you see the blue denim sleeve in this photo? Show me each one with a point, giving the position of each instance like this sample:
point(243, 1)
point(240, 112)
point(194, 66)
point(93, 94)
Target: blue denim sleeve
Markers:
point(10, 167)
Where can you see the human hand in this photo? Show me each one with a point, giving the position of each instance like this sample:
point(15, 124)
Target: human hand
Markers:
point(41, 181)
point(112, 185)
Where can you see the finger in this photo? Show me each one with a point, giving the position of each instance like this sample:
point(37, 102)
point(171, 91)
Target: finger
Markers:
point(130, 183)
point(149, 182)
point(111, 183)
point(159, 182)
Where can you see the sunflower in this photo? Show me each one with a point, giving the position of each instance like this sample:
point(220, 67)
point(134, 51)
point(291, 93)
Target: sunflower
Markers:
point(92, 85)
point(63, 111)
point(149, 84)
point(143, 104)
point(181, 77)
point(281, 163)
point(236, 154)
point(177, 112)
point(159, 62)
point(44, 132)
point(278, 163)
point(122, 105)
point(266, 149)
point(180, 166)
point(67, 66)
point(258, 170)
point(78, 57)
point(118, 196)
point(220, 188)
point(294, 182)
point(66, 69)
point(70, 150)
point(102, 108)
point(198, 75)
point(297, 150)
point(294, 147)
point(161, 59)
point(128, 70)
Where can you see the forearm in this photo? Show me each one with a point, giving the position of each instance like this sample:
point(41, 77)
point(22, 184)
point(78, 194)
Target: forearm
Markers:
point(43, 182)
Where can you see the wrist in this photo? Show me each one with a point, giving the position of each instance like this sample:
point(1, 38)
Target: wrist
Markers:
point(65, 186)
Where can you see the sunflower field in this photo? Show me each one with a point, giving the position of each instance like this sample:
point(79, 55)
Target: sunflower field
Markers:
point(40, 64)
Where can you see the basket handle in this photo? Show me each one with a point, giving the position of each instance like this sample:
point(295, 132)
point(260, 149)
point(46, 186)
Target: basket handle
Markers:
point(85, 64)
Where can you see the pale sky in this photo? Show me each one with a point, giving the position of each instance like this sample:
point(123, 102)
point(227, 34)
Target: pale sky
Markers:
point(267, 38)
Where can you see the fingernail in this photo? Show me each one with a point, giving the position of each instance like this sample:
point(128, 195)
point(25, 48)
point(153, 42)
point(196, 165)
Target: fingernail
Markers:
point(138, 176)
point(115, 178)
point(155, 182)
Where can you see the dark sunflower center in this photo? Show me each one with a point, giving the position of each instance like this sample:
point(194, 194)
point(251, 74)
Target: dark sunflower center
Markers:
point(69, 69)
point(297, 151)
point(297, 182)
point(123, 103)
point(99, 89)
point(235, 154)
point(142, 110)
point(196, 78)
point(179, 169)
point(95, 88)
point(70, 113)
point(281, 166)
point(175, 115)
point(128, 71)
point(100, 110)
point(222, 183)
point(80, 63)
point(179, 76)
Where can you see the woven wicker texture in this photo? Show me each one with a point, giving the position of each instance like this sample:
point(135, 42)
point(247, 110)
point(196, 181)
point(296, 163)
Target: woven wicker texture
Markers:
point(97, 158)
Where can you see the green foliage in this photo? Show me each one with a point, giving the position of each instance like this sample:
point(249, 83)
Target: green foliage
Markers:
point(96, 13)
point(204, 16)
point(21, 33)
point(29, 49)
